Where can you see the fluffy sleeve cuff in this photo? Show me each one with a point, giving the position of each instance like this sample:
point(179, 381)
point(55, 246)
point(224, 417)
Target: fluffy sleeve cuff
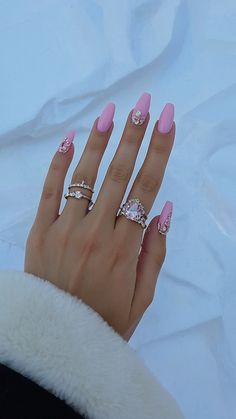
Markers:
point(63, 345)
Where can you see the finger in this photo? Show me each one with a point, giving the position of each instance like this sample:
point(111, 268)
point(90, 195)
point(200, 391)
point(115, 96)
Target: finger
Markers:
point(88, 165)
point(150, 176)
point(50, 200)
point(122, 165)
point(150, 261)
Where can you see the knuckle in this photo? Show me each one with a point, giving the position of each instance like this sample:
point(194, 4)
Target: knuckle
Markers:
point(55, 166)
point(94, 146)
point(160, 147)
point(159, 257)
point(120, 258)
point(147, 182)
point(78, 176)
point(119, 254)
point(91, 244)
point(118, 172)
point(63, 239)
point(130, 136)
point(50, 192)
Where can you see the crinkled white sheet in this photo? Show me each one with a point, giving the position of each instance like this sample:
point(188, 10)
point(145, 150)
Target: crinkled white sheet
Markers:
point(62, 61)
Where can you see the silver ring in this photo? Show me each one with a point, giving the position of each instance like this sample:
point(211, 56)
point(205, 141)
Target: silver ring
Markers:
point(77, 195)
point(81, 185)
point(133, 210)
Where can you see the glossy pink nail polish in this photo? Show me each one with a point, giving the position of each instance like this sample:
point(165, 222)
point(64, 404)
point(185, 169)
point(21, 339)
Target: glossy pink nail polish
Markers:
point(106, 118)
point(166, 119)
point(163, 224)
point(66, 143)
point(141, 109)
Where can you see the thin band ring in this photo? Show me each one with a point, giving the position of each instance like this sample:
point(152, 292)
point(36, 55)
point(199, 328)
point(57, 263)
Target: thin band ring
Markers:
point(77, 195)
point(81, 185)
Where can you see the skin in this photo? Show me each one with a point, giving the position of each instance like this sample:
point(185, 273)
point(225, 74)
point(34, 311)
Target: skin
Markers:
point(109, 262)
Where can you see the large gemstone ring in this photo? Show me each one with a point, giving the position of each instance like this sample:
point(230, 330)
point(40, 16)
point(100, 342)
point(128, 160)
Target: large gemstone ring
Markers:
point(134, 211)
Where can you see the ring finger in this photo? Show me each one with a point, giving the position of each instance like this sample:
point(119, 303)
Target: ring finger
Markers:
point(150, 176)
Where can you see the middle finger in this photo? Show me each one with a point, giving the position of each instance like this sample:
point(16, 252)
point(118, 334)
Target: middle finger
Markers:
point(122, 164)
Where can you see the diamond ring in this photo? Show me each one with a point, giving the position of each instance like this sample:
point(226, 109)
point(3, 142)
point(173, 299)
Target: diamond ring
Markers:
point(133, 210)
point(77, 195)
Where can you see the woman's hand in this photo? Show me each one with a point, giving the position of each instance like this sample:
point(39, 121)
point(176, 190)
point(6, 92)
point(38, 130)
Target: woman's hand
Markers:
point(96, 255)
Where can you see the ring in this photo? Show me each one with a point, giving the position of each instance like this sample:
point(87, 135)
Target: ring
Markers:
point(77, 195)
point(81, 185)
point(133, 210)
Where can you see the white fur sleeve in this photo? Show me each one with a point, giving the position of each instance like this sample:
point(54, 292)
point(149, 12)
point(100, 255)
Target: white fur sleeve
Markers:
point(63, 345)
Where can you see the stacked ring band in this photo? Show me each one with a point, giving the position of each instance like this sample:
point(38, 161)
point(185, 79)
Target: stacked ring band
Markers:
point(132, 209)
point(78, 194)
point(81, 185)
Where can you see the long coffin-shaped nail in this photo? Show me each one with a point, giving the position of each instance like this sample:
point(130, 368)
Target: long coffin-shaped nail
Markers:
point(166, 119)
point(163, 224)
point(141, 109)
point(66, 143)
point(106, 118)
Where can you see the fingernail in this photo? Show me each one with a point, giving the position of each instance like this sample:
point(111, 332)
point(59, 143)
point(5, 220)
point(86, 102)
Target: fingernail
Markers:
point(66, 143)
point(141, 109)
point(106, 118)
point(163, 224)
point(166, 119)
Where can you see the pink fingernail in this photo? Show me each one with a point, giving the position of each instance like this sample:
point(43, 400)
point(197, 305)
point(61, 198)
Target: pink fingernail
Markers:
point(106, 118)
point(163, 224)
point(141, 109)
point(166, 119)
point(66, 143)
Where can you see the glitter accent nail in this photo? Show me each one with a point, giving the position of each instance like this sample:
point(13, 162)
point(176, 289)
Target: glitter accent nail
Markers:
point(66, 143)
point(163, 224)
point(141, 109)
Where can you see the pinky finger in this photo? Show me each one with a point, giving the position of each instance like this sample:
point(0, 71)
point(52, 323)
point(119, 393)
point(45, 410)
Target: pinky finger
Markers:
point(151, 259)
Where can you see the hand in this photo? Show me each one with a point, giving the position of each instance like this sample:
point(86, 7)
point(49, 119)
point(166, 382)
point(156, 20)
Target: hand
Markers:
point(94, 255)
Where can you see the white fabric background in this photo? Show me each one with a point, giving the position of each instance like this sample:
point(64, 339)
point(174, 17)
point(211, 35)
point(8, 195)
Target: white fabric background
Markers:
point(62, 61)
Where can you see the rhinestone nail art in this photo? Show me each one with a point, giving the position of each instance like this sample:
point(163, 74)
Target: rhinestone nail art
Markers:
point(163, 225)
point(137, 118)
point(141, 109)
point(66, 143)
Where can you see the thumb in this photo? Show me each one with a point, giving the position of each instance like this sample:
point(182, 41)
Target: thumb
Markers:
point(151, 258)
